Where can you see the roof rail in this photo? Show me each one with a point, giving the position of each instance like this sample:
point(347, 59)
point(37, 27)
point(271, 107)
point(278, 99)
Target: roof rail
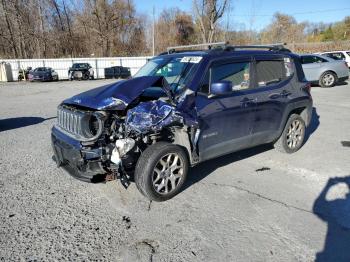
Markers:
point(172, 49)
point(270, 47)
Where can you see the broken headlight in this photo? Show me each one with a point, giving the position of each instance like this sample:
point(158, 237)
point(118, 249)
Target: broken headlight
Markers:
point(92, 126)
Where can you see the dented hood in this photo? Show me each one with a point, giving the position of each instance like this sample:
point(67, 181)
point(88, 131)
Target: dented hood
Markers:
point(119, 95)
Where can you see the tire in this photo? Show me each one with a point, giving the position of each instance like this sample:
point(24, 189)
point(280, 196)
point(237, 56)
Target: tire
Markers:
point(328, 79)
point(288, 144)
point(167, 182)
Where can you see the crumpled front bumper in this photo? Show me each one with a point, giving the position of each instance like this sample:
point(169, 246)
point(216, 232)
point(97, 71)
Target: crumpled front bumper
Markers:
point(69, 154)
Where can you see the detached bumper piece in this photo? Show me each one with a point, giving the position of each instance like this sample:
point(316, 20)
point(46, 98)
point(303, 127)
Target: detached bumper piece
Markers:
point(70, 155)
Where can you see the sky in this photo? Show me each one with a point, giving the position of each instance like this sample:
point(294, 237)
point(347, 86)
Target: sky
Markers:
point(256, 14)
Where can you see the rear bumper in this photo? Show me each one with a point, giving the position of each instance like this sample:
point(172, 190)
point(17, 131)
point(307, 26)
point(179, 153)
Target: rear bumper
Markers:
point(69, 154)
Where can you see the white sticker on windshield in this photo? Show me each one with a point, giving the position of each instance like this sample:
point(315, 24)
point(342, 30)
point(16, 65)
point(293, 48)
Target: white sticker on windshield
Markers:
point(191, 59)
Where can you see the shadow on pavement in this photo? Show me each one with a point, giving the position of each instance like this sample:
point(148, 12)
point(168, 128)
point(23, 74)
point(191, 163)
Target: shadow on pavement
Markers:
point(314, 123)
point(18, 122)
point(197, 173)
point(336, 213)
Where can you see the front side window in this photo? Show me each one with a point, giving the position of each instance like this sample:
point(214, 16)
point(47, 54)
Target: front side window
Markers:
point(237, 73)
point(307, 60)
point(273, 72)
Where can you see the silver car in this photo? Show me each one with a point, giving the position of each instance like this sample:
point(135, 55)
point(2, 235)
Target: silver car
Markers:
point(323, 70)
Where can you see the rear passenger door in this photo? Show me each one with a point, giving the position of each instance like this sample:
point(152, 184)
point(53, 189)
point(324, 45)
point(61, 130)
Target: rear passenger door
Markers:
point(273, 90)
point(225, 120)
point(312, 66)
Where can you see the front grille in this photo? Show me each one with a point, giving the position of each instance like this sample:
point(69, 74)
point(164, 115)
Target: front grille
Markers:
point(82, 125)
point(69, 120)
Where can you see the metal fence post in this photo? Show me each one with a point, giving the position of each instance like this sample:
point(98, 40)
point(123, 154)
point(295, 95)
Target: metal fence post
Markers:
point(18, 67)
point(97, 74)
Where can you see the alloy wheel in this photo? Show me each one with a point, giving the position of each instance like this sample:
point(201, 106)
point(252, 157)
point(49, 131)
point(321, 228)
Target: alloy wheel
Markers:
point(295, 134)
point(167, 173)
point(328, 79)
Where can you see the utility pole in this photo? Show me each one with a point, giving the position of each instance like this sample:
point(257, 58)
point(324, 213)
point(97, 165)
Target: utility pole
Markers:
point(153, 33)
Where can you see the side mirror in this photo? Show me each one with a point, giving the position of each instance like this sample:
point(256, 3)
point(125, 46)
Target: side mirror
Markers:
point(221, 88)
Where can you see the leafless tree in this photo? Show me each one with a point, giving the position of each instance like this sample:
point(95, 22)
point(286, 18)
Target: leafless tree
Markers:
point(207, 15)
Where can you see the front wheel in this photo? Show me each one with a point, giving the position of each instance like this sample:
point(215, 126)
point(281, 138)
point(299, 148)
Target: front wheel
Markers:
point(161, 171)
point(292, 137)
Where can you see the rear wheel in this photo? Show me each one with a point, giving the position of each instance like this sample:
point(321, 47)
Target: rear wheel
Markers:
point(161, 171)
point(328, 79)
point(292, 137)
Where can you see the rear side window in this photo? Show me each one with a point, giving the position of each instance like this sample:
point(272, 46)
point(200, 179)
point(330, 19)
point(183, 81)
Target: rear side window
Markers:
point(273, 72)
point(336, 56)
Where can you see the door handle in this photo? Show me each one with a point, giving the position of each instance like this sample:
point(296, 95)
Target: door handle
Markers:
point(285, 93)
point(247, 101)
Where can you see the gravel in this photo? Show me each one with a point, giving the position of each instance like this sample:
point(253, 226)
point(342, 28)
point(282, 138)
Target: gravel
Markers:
point(254, 205)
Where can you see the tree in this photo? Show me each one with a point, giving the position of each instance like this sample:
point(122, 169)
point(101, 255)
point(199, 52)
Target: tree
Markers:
point(284, 28)
point(207, 15)
point(173, 27)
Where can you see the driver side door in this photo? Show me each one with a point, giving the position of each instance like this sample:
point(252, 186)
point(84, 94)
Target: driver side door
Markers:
point(226, 121)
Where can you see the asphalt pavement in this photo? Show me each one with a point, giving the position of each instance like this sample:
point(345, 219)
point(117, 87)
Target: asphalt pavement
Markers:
point(254, 205)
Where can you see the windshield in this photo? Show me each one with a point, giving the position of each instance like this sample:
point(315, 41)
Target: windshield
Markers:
point(40, 69)
point(176, 70)
point(80, 65)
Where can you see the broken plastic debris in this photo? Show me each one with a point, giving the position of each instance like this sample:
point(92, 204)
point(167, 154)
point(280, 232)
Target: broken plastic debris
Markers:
point(124, 145)
point(115, 157)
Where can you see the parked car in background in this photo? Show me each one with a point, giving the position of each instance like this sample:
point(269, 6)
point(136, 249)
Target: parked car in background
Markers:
point(338, 55)
point(81, 71)
point(23, 74)
point(117, 72)
point(323, 70)
point(180, 109)
point(43, 74)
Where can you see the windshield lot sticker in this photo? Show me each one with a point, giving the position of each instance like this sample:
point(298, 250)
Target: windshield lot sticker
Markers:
point(191, 59)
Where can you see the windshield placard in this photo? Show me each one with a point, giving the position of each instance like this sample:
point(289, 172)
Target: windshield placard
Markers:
point(191, 59)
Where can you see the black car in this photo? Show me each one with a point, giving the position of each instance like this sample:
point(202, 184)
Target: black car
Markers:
point(180, 109)
point(81, 71)
point(43, 74)
point(117, 72)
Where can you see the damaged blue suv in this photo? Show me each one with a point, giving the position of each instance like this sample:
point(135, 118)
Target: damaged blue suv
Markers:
point(182, 108)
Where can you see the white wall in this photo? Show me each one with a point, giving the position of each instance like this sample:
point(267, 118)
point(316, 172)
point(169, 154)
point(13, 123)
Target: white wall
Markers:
point(61, 65)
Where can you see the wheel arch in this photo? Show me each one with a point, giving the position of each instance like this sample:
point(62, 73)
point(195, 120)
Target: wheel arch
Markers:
point(302, 108)
point(326, 71)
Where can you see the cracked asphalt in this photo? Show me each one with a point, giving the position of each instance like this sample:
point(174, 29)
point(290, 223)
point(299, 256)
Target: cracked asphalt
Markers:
point(254, 205)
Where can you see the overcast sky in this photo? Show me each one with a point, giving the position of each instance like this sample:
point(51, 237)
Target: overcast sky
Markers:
point(257, 13)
